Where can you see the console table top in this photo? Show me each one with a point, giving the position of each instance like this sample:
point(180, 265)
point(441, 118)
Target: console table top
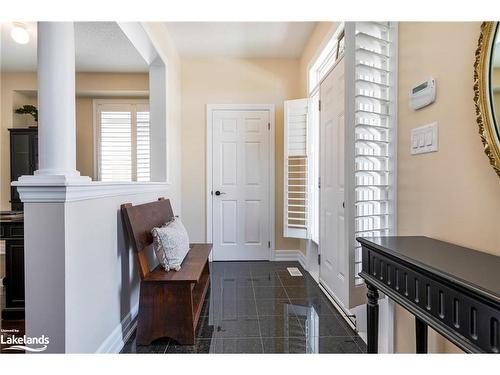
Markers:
point(471, 268)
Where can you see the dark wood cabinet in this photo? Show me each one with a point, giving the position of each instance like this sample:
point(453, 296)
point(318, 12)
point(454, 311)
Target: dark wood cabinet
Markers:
point(12, 232)
point(23, 159)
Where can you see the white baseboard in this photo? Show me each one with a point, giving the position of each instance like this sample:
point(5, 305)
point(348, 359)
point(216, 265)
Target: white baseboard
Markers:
point(290, 256)
point(338, 306)
point(120, 335)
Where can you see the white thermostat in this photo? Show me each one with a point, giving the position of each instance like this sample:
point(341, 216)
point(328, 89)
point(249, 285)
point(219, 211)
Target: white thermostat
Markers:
point(423, 94)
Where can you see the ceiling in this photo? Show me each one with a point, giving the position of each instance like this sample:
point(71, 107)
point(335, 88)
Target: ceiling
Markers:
point(99, 47)
point(103, 47)
point(240, 39)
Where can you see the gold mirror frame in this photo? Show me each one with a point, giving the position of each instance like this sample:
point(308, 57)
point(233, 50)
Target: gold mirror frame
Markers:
point(484, 110)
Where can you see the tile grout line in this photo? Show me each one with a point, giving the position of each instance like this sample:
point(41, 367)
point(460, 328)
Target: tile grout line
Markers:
point(257, 312)
point(290, 301)
point(221, 294)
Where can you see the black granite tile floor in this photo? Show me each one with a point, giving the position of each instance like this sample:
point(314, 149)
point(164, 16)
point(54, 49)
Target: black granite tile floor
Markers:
point(257, 307)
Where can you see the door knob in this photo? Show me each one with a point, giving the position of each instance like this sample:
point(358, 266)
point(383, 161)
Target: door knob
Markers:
point(219, 193)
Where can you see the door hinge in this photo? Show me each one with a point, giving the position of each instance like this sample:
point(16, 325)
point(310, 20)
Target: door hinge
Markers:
point(319, 105)
point(319, 258)
point(269, 244)
point(319, 182)
point(268, 126)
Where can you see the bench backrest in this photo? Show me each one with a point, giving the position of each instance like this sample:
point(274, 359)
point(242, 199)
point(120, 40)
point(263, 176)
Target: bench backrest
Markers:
point(139, 221)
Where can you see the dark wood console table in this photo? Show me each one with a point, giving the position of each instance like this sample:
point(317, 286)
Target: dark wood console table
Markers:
point(12, 232)
point(453, 289)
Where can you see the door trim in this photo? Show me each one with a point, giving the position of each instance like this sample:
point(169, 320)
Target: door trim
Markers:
point(209, 162)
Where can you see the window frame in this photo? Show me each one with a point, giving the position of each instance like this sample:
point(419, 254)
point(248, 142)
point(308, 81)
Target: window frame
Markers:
point(326, 54)
point(324, 61)
point(96, 103)
point(314, 156)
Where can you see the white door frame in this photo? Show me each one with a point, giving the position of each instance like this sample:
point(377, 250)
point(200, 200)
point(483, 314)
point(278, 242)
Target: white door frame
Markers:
point(209, 163)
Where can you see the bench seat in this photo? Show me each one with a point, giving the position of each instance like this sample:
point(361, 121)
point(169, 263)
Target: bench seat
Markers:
point(191, 267)
point(170, 303)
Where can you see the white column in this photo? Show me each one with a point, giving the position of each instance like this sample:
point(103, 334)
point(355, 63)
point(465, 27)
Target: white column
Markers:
point(158, 120)
point(56, 102)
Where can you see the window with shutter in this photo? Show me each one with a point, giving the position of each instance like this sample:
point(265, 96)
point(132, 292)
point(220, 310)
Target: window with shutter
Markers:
point(301, 159)
point(115, 146)
point(123, 141)
point(374, 132)
point(296, 176)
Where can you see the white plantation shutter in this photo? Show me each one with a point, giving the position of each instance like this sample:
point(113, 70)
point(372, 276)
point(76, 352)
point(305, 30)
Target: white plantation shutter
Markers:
point(143, 144)
point(373, 127)
point(123, 144)
point(296, 168)
point(115, 143)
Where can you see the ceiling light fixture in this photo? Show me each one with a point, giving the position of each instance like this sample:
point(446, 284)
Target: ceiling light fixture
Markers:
point(19, 33)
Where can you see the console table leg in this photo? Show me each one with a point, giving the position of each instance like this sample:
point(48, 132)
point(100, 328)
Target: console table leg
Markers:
point(421, 336)
point(372, 319)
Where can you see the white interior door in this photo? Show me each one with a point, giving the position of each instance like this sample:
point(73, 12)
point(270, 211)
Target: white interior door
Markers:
point(333, 244)
point(240, 185)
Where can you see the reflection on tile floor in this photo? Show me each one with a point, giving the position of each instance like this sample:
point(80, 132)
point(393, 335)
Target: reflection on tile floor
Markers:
point(257, 307)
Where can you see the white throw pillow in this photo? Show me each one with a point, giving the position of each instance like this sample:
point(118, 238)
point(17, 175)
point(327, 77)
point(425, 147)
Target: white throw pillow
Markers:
point(171, 244)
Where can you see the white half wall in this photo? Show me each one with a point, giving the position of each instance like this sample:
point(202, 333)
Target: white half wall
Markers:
point(44, 289)
point(82, 283)
point(102, 280)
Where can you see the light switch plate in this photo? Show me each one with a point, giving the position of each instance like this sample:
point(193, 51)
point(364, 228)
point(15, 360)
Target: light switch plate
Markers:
point(424, 139)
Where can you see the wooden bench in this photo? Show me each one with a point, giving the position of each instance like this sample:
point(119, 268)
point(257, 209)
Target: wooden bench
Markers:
point(170, 303)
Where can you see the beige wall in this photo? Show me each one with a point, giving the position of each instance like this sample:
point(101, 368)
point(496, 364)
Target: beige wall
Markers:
point(230, 80)
point(210, 81)
point(98, 84)
point(453, 194)
point(85, 136)
point(112, 83)
point(9, 101)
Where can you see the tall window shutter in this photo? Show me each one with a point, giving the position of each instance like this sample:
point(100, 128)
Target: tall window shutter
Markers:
point(374, 131)
point(296, 190)
point(115, 151)
point(123, 142)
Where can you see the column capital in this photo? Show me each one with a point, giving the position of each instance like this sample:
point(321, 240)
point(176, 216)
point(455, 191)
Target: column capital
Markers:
point(53, 190)
point(56, 179)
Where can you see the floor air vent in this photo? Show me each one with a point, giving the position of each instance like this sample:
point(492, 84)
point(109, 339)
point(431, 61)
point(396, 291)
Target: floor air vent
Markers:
point(294, 271)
